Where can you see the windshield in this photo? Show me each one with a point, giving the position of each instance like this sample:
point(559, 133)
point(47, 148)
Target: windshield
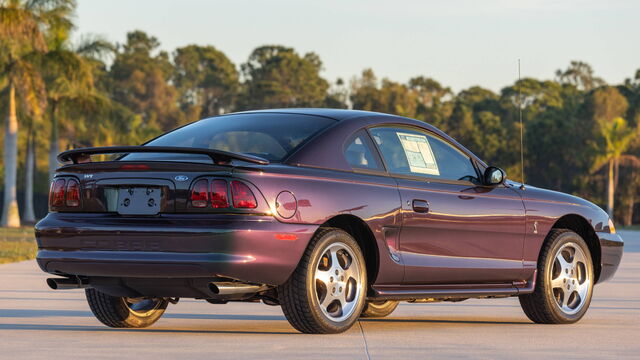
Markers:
point(268, 135)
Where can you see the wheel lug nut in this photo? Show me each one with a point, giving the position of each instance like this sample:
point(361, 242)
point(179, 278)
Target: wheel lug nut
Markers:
point(336, 272)
point(331, 279)
point(340, 290)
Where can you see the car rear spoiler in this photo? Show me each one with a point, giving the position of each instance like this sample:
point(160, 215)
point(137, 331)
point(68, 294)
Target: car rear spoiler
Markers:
point(218, 156)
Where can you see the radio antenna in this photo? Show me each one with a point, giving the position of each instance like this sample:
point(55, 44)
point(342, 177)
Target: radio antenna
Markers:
point(521, 128)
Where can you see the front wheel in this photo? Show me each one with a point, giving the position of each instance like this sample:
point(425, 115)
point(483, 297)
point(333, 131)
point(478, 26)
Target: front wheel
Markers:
point(564, 283)
point(124, 312)
point(326, 292)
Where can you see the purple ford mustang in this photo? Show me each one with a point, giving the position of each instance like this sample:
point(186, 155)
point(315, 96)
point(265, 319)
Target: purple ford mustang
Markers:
point(331, 214)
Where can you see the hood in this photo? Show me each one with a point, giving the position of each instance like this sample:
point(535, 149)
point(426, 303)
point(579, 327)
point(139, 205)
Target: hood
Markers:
point(539, 194)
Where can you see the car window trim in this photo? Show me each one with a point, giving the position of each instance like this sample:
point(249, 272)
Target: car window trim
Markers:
point(420, 177)
point(433, 180)
point(370, 172)
point(377, 150)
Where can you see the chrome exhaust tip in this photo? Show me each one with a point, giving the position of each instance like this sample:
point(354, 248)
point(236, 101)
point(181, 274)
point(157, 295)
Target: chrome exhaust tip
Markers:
point(66, 283)
point(233, 288)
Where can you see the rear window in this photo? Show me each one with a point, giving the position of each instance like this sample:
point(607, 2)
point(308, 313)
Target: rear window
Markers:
point(270, 136)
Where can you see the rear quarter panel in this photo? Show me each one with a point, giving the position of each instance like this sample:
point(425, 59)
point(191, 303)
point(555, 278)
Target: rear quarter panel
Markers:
point(323, 194)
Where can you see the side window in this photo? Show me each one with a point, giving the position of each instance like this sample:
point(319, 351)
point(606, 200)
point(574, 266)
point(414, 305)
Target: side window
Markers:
point(417, 153)
point(360, 154)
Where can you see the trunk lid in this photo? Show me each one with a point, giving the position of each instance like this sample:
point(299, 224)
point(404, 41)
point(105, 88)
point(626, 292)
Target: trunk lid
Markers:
point(139, 188)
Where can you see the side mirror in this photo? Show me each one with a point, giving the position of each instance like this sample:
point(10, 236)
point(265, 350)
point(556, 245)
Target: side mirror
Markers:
point(494, 176)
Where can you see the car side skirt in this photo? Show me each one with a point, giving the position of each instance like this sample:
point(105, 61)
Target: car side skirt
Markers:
point(453, 291)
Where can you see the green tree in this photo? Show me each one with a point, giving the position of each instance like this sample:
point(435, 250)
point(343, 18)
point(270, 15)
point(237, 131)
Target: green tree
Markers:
point(430, 92)
point(616, 136)
point(580, 75)
point(337, 96)
point(391, 97)
point(71, 90)
point(397, 98)
point(476, 122)
point(23, 25)
point(206, 79)
point(435, 103)
point(276, 76)
point(535, 97)
point(139, 80)
point(364, 91)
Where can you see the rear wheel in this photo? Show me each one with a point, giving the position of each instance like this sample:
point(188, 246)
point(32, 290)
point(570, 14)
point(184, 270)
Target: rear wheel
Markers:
point(564, 283)
point(326, 292)
point(374, 309)
point(124, 312)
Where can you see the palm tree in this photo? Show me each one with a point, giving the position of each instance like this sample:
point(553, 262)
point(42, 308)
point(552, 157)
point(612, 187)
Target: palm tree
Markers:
point(71, 90)
point(618, 137)
point(23, 24)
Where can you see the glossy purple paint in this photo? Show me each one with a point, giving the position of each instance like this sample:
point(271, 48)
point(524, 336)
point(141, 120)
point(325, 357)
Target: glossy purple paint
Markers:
point(474, 239)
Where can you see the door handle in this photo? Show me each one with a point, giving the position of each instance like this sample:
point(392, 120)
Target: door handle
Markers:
point(420, 206)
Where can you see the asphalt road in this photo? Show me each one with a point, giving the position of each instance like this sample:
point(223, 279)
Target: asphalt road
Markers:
point(36, 322)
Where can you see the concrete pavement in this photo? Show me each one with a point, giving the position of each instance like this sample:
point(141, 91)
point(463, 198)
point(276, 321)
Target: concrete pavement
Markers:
point(36, 322)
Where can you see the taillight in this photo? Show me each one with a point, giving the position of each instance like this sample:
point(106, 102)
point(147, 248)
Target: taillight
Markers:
point(73, 193)
point(242, 196)
point(56, 193)
point(219, 194)
point(214, 193)
point(200, 193)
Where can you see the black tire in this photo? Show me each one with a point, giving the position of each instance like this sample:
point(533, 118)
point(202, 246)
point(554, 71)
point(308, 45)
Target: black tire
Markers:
point(120, 312)
point(300, 295)
point(378, 309)
point(546, 304)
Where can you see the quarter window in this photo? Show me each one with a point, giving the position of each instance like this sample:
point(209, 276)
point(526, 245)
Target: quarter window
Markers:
point(359, 152)
point(417, 153)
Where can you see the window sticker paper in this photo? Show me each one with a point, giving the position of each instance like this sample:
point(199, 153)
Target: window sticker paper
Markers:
point(419, 154)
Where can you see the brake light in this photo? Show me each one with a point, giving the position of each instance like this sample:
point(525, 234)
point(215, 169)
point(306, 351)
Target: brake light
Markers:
point(56, 193)
point(200, 193)
point(242, 196)
point(219, 194)
point(139, 167)
point(73, 193)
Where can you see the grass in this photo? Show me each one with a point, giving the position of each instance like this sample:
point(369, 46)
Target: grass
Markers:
point(17, 244)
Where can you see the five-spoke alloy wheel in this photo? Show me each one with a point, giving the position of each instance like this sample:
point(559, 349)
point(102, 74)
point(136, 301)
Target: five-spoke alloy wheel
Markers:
point(564, 282)
point(570, 281)
point(326, 292)
point(337, 281)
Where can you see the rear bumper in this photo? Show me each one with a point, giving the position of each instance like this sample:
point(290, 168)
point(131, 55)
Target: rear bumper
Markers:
point(171, 246)
point(611, 246)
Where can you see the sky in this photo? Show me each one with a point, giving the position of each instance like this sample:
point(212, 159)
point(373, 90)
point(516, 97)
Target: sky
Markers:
point(460, 43)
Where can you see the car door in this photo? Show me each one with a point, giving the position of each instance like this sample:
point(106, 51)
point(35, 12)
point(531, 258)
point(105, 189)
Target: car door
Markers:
point(454, 229)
